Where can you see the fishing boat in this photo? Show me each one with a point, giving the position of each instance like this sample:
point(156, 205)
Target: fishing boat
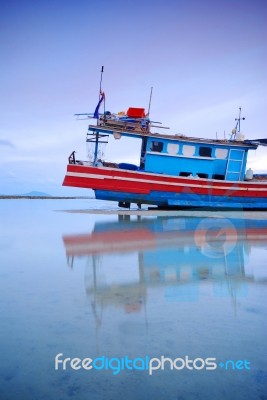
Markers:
point(174, 171)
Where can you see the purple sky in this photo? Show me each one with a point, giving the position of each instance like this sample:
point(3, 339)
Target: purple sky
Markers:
point(204, 59)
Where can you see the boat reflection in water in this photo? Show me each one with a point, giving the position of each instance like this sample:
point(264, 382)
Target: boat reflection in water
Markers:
point(128, 258)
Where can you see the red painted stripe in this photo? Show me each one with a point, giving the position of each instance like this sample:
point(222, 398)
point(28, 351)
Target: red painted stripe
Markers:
point(115, 185)
point(121, 236)
point(110, 172)
point(114, 241)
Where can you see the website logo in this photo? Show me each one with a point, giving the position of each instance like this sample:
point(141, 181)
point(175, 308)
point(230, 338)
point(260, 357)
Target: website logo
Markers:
point(150, 365)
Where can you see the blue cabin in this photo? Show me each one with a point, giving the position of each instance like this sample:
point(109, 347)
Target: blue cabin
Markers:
point(180, 155)
point(196, 158)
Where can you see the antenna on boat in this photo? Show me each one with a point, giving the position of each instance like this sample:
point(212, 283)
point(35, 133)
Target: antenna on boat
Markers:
point(237, 127)
point(150, 98)
point(238, 120)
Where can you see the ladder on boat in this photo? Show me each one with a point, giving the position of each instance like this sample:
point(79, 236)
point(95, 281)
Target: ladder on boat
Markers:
point(235, 165)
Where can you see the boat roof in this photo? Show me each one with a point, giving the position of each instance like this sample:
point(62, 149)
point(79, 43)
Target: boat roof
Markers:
point(130, 131)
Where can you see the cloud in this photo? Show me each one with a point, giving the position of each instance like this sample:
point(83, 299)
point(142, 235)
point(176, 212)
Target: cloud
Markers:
point(4, 142)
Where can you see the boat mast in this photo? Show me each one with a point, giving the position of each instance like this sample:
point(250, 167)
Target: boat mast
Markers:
point(97, 133)
point(150, 98)
point(100, 85)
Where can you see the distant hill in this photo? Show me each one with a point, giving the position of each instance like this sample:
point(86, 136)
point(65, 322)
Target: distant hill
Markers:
point(41, 195)
point(38, 194)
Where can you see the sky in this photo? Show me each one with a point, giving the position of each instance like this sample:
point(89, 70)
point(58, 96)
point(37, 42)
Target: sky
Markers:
point(204, 60)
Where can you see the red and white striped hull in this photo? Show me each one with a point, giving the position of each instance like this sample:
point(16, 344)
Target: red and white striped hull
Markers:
point(142, 187)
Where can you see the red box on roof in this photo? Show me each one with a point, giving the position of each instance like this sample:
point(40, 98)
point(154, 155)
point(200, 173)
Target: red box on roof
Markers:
point(136, 112)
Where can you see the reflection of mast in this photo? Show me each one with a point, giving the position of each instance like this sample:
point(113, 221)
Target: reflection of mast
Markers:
point(98, 319)
point(70, 261)
point(131, 295)
point(231, 283)
point(142, 281)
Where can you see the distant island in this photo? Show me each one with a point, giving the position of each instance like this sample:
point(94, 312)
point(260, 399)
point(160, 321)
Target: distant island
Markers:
point(35, 195)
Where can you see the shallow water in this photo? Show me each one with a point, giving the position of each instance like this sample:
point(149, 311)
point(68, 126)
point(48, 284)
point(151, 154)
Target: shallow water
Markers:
point(101, 285)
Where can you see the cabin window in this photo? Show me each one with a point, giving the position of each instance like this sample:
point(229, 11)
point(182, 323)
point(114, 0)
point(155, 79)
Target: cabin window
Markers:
point(221, 153)
point(205, 151)
point(157, 146)
point(218, 176)
point(172, 148)
point(185, 173)
point(201, 175)
point(188, 150)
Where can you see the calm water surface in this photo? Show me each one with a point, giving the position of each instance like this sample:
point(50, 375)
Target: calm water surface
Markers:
point(100, 286)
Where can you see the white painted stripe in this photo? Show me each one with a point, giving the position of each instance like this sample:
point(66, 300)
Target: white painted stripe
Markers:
point(96, 176)
point(87, 247)
point(157, 153)
point(115, 170)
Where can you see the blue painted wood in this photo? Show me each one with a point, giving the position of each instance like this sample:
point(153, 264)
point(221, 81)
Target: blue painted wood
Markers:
point(166, 199)
point(179, 163)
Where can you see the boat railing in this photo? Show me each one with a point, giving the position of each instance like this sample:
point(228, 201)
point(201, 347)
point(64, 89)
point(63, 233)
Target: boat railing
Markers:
point(72, 159)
